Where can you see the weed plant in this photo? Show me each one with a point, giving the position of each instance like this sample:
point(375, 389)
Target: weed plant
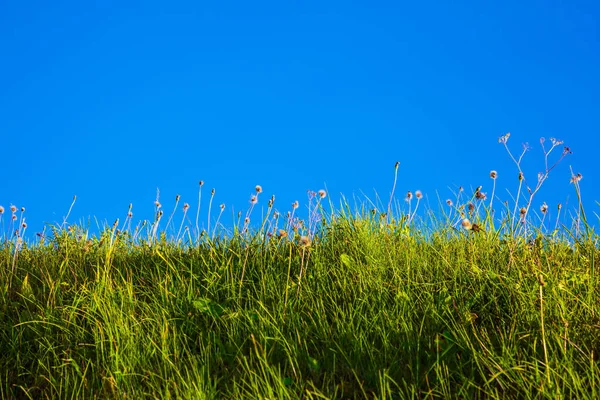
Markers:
point(364, 301)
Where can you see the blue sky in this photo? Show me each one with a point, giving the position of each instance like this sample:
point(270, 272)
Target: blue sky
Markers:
point(110, 101)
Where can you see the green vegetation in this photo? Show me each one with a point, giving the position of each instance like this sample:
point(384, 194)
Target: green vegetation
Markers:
point(350, 303)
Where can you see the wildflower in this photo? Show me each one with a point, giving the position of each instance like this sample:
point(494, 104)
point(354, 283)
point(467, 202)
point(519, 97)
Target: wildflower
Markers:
point(522, 212)
point(418, 195)
point(13, 209)
point(281, 233)
point(449, 202)
point(258, 189)
point(480, 195)
point(186, 206)
point(493, 174)
point(471, 207)
point(14, 217)
point(504, 138)
point(409, 195)
point(566, 151)
point(544, 208)
point(305, 241)
point(322, 193)
point(295, 204)
point(24, 225)
point(466, 224)
point(247, 220)
point(254, 199)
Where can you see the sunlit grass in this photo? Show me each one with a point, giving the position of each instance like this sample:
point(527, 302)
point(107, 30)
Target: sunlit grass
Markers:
point(366, 300)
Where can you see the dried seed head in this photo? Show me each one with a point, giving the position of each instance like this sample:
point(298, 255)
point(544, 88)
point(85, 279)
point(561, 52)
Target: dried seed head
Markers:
point(493, 174)
point(23, 208)
point(282, 233)
point(466, 224)
point(521, 176)
point(471, 207)
point(295, 204)
point(13, 209)
point(305, 241)
point(24, 225)
point(480, 195)
point(258, 189)
point(201, 183)
point(522, 212)
point(449, 202)
point(157, 204)
point(212, 192)
point(247, 220)
point(222, 206)
point(129, 214)
point(1, 210)
point(409, 195)
point(177, 198)
point(576, 178)
point(559, 206)
point(322, 193)
point(397, 164)
point(253, 199)
point(14, 217)
point(185, 207)
point(418, 195)
point(544, 208)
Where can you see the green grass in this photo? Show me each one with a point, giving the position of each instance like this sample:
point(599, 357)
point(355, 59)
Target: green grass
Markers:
point(348, 304)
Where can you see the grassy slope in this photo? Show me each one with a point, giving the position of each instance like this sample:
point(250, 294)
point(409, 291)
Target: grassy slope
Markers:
point(379, 311)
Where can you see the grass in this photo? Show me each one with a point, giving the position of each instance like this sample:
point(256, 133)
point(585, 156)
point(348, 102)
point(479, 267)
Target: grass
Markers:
point(369, 302)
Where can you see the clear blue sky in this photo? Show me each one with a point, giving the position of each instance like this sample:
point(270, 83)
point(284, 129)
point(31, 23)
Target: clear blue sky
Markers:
point(110, 100)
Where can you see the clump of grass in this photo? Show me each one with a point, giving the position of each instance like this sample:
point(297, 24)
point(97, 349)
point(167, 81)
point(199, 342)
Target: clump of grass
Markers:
point(356, 301)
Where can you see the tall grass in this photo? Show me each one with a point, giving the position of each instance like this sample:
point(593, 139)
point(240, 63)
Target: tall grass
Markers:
point(354, 301)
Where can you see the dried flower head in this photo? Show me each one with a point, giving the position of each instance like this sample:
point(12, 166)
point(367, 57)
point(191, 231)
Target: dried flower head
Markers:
point(480, 195)
point(186, 206)
point(544, 208)
point(322, 193)
point(13, 209)
point(129, 214)
point(14, 217)
point(471, 207)
point(449, 202)
point(1, 210)
point(295, 204)
point(493, 174)
point(24, 225)
point(258, 189)
point(409, 195)
point(305, 241)
point(522, 212)
point(418, 195)
point(576, 178)
point(201, 183)
point(466, 224)
point(177, 197)
point(157, 204)
point(504, 138)
point(559, 206)
point(222, 206)
point(281, 233)
point(521, 176)
point(212, 192)
point(22, 209)
point(253, 199)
